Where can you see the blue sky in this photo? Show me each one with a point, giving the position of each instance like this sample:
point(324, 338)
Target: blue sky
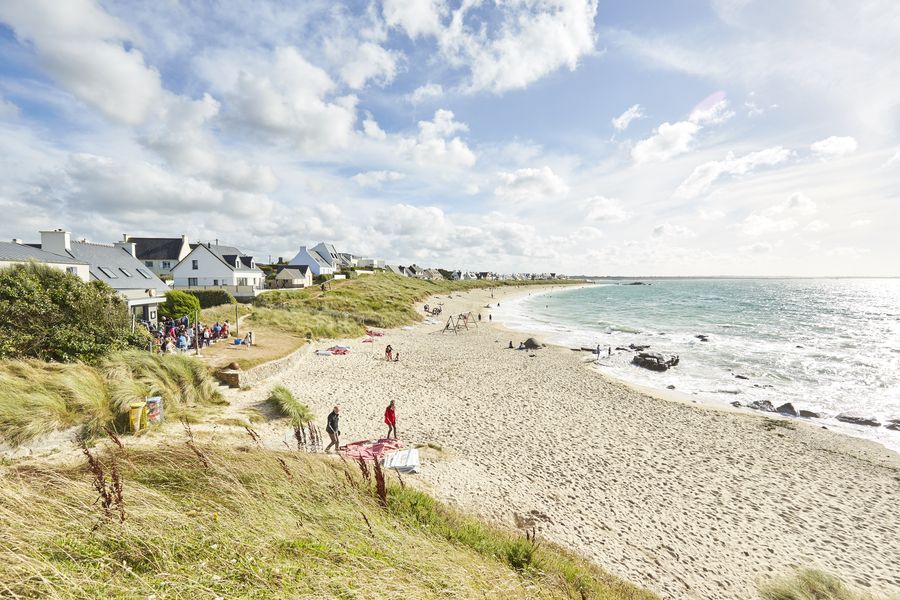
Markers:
point(693, 138)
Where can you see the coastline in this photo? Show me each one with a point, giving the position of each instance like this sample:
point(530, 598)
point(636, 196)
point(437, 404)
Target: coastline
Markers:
point(686, 499)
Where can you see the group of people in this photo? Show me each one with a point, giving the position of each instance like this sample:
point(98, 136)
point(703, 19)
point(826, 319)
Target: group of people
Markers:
point(180, 335)
point(333, 427)
point(390, 354)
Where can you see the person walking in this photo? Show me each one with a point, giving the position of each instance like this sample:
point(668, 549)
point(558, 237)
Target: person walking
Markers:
point(388, 352)
point(333, 429)
point(390, 419)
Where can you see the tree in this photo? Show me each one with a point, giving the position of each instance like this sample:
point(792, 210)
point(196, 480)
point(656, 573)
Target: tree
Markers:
point(179, 304)
point(51, 315)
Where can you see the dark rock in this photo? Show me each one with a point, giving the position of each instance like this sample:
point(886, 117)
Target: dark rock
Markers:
point(787, 409)
point(763, 405)
point(741, 377)
point(637, 283)
point(621, 348)
point(808, 414)
point(702, 337)
point(893, 424)
point(670, 387)
point(654, 361)
point(857, 420)
point(798, 346)
point(532, 344)
point(736, 404)
point(234, 366)
point(589, 349)
point(638, 348)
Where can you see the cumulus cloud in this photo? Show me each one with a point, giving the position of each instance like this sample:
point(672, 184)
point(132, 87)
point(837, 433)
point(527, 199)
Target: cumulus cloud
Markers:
point(671, 139)
point(669, 231)
point(816, 226)
point(857, 223)
point(700, 180)
point(367, 61)
point(756, 248)
point(426, 92)
point(605, 210)
point(416, 17)
point(88, 52)
point(435, 146)
point(409, 220)
point(376, 178)
point(372, 129)
point(834, 147)
point(633, 113)
point(780, 217)
point(531, 184)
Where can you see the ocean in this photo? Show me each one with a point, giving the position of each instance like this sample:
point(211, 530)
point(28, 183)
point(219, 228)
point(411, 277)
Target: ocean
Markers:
point(827, 345)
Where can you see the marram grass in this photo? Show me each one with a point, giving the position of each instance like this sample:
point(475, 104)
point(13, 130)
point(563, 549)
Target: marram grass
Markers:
point(286, 405)
point(809, 584)
point(264, 524)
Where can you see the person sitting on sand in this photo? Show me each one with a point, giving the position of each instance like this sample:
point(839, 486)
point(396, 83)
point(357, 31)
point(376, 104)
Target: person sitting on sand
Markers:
point(333, 429)
point(390, 419)
point(388, 353)
point(521, 346)
point(510, 345)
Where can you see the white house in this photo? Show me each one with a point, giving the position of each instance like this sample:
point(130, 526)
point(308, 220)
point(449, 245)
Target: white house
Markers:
point(318, 264)
point(212, 266)
point(115, 266)
point(294, 277)
point(160, 255)
point(16, 252)
point(371, 263)
point(396, 270)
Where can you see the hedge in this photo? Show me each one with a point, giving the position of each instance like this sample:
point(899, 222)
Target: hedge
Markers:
point(210, 298)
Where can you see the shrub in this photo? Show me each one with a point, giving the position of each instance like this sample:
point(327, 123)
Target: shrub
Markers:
point(809, 584)
point(179, 304)
point(211, 298)
point(284, 403)
point(51, 315)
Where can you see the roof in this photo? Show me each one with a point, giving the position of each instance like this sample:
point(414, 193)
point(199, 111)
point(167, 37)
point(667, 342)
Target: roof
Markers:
point(296, 272)
point(116, 267)
point(157, 248)
point(14, 252)
point(320, 260)
point(233, 258)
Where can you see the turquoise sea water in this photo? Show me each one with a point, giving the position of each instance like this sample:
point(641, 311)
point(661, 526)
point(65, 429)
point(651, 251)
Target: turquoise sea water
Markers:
point(830, 345)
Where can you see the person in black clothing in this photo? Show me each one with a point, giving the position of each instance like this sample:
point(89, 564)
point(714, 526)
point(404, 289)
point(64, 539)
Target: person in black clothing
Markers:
point(333, 429)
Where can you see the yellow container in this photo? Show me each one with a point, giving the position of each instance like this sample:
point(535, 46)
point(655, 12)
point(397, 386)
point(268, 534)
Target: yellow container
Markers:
point(137, 416)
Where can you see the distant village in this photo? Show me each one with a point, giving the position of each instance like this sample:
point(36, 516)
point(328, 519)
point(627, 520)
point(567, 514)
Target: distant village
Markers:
point(144, 269)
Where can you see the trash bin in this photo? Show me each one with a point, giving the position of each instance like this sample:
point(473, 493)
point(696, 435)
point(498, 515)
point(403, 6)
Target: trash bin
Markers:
point(137, 416)
point(154, 409)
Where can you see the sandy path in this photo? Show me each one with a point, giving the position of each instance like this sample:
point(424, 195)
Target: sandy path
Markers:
point(691, 502)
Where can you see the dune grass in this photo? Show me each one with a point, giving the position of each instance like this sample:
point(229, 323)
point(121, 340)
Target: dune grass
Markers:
point(263, 524)
point(349, 306)
point(283, 402)
point(809, 584)
point(37, 398)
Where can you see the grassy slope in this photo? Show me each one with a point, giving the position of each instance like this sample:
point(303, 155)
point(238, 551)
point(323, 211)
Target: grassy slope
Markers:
point(244, 527)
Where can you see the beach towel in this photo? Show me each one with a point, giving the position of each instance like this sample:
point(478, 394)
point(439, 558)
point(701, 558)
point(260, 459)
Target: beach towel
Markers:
point(370, 449)
point(339, 350)
point(368, 341)
point(371, 333)
point(323, 353)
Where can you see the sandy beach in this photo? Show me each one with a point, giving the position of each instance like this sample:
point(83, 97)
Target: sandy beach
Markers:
point(687, 500)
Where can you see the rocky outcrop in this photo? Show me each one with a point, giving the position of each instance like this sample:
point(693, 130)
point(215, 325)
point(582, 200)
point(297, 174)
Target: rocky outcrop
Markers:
point(763, 405)
point(736, 404)
point(654, 361)
point(741, 377)
point(808, 414)
point(533, 344)
point(638, 348)
point(893, 424)
point(702, 337)
point(787, 409)
point(857, 420)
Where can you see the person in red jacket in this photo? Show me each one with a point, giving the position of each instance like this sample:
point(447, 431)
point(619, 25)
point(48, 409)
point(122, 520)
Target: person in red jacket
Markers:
point(390, 419)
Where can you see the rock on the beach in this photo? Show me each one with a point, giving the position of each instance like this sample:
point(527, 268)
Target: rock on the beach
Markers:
point(702, 337)
point(741, 377)
point(533, 344)
point(763, 405)
point(654, 361)
point(857, 420)
point(787, 409)
point(808, 414)
point(670, 387)
point(893, 424)
point(736, 404)
point(638, 348)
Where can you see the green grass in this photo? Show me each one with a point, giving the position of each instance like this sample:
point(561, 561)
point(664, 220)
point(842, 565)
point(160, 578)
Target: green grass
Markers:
point(283, 402)
point(809, 584)
point(250, 526)
point(349, 306)
point(37, 398)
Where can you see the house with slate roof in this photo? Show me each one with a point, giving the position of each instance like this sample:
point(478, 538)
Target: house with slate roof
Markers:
point(16, 252)
point(294, 277)
point(160, 255)
point(215, 266)
point(115, 265)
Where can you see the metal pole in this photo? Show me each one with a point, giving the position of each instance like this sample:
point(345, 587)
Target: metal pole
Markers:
point(237, 323)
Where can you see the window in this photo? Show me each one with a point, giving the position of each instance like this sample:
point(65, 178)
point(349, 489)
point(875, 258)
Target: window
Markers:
point(72, 270)
point(242, 281)
point(195, 264)
point(125, 272)
point(108, 272)
point(165, 264)
point(148, 263)
point(144, 274)
point(215, 282)
point(192, 281)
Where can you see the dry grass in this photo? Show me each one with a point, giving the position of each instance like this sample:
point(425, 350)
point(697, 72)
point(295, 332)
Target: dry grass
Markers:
point(809, 584)
point(265, 525)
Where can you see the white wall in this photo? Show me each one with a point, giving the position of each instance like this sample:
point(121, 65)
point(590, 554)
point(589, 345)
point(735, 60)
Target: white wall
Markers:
point(82, 271)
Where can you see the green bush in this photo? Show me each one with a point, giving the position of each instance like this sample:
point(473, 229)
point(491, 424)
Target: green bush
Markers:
point(179, 304)
point(211, 298)
point(51, 315)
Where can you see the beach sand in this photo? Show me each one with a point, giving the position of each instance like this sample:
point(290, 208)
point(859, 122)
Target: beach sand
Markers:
point(686, 500)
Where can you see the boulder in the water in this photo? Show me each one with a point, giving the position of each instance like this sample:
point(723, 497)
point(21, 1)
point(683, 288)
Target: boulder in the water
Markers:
point(857, 420)
point(736, 404)
point(893, 424)
point(741, 377)
point(808, 414)
point(763, 405)
point(654, 361)
point(787, 409)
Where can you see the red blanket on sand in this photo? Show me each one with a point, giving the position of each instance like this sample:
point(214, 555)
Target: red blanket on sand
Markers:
point(373, 333)
point(370, 449)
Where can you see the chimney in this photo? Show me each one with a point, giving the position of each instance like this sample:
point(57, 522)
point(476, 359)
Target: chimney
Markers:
point(124, 237)
point(17, 241)
point(128, 247)
point(56, 241)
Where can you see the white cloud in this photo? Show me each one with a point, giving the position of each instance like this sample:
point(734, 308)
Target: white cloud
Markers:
point(756, 248)
point(798, 203)
point(416, 17)
point(764, 224)
point(605, 210)
point(376, 178)
point(780, 217)
point(858, 223)
point(711, 111)
point(531, 184)
point(700, 180)
point(7, 108)
point(633, 113)
point(834, 146)
point(894, 159)
point(816, 226)
point(670, 139)
point(710, 215)
point(667, 230)
point(87, 51)
point(426, 92)
point(434, 146)
point(371, 129)
point(367, 61)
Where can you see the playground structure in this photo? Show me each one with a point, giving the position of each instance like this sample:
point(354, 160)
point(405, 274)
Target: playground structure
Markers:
point(460, 321)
